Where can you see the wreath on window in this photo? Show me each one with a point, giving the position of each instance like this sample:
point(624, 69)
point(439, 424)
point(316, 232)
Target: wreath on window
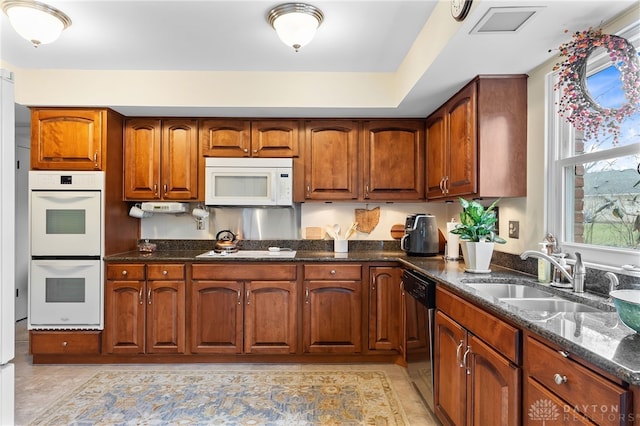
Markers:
point(576, 103)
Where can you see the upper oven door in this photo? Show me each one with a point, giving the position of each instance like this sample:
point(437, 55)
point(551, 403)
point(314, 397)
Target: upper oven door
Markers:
point(66, 223)
point(240, 187)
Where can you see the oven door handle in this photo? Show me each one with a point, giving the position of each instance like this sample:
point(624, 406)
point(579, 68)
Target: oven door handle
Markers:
point(55, 265)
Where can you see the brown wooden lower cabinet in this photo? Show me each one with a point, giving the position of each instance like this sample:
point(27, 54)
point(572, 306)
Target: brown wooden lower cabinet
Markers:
point(474, 383)
point(244, 314)
point(145, 315)
point(385, 309)
point(332, 312)
point(558, 388)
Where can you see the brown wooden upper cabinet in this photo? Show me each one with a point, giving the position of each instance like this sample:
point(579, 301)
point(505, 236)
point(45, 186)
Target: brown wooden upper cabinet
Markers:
point(393, 160)
point(161, 160)
point(477, 141)
point(70, 139)
point(330, 160)
point(250, 138)
point(362, 160)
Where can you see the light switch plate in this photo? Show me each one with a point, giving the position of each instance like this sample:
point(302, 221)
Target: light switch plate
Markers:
point(514, 229)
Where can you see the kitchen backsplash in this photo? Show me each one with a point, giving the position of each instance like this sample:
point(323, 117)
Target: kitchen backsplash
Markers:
point(288, 223)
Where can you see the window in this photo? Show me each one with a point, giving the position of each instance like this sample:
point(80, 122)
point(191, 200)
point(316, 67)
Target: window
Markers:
point(593, 184)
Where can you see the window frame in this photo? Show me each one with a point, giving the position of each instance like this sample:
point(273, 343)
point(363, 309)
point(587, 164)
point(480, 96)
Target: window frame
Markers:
point(559, 132)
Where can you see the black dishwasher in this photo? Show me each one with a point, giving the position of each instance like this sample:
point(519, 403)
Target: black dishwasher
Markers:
point(420, 304)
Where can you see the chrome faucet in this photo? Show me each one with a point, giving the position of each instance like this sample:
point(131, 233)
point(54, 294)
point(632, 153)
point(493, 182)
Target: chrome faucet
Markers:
point(613, 282)
point(579, 271)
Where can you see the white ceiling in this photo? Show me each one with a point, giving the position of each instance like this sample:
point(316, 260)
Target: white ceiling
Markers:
point(356, 36)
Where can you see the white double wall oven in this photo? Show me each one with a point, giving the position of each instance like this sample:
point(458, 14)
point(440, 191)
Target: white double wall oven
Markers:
point(67, 246)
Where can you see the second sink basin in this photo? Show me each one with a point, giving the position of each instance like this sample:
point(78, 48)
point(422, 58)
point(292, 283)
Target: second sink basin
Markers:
point(549, 305)
point(504, 290)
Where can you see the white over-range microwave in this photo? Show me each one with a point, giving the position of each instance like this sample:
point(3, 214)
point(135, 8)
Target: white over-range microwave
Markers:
point(248, 181)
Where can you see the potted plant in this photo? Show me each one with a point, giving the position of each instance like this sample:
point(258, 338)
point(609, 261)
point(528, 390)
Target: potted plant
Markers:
point(477, 234)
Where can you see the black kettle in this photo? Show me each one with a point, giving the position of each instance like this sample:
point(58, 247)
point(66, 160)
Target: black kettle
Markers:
point(226, 242)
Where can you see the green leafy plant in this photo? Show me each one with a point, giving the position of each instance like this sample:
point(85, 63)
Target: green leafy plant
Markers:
point(477, 223)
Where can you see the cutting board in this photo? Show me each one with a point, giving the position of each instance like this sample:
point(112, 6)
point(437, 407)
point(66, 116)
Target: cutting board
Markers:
point(367, 219)
point(397, 231)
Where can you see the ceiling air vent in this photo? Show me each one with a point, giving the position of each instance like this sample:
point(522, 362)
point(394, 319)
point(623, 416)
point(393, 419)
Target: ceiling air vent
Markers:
point(504, 20)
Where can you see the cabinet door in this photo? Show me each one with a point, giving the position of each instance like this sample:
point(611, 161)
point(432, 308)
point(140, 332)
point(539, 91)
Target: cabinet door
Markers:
point(332, 316)
point(165, 317)
point(216, 317)
point(225, 138)
point(66, 139)
point(437, 154)
point(270, 317)
point(450, 377)
point(180, 157)
point(331, 160)
point(384, 308)
point(462, 162)
point(491, 375)
point(142, 159)
point(124, 317)
point(275, 138)
point(393, 166)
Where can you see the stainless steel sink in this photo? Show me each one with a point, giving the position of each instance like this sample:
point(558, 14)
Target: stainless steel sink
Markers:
point(549, 305)
point(504, 290)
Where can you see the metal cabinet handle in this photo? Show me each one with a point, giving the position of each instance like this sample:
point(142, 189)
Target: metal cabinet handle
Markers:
point(164, 272)
point(140, 296)
point(366, 191)
point(464, 359)
point(306, 295)
point(308, 190)
point(124, 272)
point(458, 350)
point(164, 188)
point(95, 159)
point(333, 272)
point(564, 353)
point(64, 344)
point(245, 150)
point(446, 184)
point(248, 295)
point(560, 379)
point(255, 151)
point(155, 189)
point(149, 296)
point(239, 297)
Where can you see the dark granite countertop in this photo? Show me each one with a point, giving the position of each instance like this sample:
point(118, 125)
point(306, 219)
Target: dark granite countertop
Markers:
point(597, 337)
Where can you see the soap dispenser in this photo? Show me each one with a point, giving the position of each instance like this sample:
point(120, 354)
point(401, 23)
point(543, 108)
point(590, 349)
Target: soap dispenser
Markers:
point(544, 267)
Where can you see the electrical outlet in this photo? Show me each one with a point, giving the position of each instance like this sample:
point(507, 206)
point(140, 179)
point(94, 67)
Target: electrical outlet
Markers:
point(514, 229)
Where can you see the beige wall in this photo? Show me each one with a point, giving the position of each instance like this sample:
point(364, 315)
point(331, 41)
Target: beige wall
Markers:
point(530, 210)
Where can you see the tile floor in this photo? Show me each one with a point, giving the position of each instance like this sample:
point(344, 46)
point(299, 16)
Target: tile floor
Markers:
point(37, 386)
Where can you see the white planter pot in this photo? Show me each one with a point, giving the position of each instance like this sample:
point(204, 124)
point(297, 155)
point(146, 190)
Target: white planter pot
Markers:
point(477, 256)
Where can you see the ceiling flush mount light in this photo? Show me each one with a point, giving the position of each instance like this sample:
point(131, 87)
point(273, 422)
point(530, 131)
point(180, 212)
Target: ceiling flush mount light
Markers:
point(295, 23)
point(37, 22)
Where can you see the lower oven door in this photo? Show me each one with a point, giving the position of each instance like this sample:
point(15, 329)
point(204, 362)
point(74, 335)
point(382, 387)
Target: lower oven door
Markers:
point(65, 294)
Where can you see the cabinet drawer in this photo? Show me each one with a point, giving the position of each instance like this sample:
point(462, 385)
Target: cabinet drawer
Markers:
point(582, 387)
point(243, 271)
point(494, 331)
point(332, 272)
point(165, 272)
point(125, 271)
point(65, 342)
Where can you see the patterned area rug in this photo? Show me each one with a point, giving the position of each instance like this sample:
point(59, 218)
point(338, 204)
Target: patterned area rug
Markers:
point(229, 398)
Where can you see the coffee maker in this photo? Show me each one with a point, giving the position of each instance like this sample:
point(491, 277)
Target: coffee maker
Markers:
point(420, 235)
